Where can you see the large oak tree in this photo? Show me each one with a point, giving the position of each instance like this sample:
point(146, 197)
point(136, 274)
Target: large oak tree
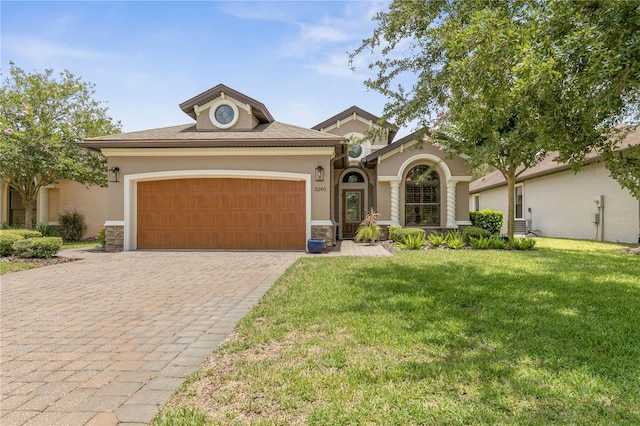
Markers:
point(41, 119)
point(506, 81)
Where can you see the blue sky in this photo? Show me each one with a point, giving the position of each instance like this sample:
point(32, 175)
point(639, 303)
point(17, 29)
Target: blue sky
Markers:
point(146, 57)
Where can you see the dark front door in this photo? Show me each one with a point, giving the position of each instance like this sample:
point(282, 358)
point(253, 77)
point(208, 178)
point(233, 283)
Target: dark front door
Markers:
point(352, 210)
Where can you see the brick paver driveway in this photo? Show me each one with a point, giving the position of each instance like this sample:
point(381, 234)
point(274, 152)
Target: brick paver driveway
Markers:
point(106, 340)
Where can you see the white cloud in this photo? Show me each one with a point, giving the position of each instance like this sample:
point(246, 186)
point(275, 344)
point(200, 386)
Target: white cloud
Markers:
point(43, 50)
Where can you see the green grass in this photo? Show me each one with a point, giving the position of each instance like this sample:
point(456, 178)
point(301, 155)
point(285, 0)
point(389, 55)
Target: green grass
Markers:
point(6, 267)
point(549, 336)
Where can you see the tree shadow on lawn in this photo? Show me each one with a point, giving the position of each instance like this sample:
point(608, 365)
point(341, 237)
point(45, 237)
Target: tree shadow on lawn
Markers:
point(560, 328)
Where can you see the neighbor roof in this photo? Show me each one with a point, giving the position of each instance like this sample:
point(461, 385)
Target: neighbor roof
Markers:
point(272, 134)
point(545, 167)
point(258, 109)
point(362, 113)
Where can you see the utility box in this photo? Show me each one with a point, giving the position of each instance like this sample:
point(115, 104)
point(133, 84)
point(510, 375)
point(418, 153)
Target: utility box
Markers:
point(595, 218)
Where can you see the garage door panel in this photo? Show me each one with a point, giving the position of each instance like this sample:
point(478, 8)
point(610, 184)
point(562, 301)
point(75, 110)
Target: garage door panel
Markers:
point(223, 213)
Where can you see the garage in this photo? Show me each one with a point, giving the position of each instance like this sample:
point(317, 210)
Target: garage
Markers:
point(221, 213)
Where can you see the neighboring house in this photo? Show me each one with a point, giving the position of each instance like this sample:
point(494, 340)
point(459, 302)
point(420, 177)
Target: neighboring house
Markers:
point(238, 179)
point(553, 201)
point(55, 200)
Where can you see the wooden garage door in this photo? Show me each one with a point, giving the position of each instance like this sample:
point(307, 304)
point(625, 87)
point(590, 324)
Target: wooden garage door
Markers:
point(221, 213)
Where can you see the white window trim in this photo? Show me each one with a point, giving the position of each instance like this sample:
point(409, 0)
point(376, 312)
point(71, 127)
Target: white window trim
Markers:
point(515, 201)
point(212, 113)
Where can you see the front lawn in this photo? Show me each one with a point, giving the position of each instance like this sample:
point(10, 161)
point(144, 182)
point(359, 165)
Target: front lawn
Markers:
point(550, 336)
point(10, 264)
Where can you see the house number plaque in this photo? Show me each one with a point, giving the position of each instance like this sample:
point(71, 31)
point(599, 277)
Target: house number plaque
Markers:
point(320, 188)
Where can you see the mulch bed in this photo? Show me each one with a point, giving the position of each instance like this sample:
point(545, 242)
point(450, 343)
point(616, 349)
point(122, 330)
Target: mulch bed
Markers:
point(44, 262)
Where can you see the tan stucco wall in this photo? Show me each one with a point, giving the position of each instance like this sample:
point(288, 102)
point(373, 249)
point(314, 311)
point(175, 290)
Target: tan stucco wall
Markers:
point(355, 126)
point(90, 201)
point(389, 166)
point(245, 121)
point(562, 205)
point(462, 205)
point(320, 191)
point(64, 196)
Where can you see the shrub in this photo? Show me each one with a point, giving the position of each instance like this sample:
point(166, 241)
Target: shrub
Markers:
point(474, 231)
point(480, 243)
point(6, 243)
point(48, 230)
point(405, 232)
point(522, 243)
point(24, 233)
point(454, 240)
point(497, 242)
point(41, 248)
point(436, 240)
point(72, 226)
point(102, 237)
point(490, 220)
point(413, 241)
point(368, 233)
point(393, 230)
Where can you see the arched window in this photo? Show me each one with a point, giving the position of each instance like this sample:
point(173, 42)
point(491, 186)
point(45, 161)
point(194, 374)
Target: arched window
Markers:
point(422, 197)
point(353, 177)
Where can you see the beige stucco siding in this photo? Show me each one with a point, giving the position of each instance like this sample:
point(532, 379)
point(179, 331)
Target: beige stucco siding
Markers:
point(90, 201)
point(390, 164)
point(245, 121)
point(462, 206)
point(562, 205)
point(320, 191)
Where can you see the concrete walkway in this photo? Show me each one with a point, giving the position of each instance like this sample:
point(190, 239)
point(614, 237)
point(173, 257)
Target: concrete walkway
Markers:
point(108, 339)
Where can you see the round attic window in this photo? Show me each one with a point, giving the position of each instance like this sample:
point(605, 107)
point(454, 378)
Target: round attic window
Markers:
point(223, 114)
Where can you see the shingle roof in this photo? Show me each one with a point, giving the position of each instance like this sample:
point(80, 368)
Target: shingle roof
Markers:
point(258, 109)
point(545, 167)
point(186, 135)
point(362, 113)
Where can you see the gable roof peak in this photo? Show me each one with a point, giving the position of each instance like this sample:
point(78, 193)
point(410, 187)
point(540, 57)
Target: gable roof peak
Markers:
point(355, 110)
point(259, 110)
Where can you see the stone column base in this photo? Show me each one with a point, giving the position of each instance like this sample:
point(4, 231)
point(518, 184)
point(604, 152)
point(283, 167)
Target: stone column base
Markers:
point(113, 238)
point(324, 232)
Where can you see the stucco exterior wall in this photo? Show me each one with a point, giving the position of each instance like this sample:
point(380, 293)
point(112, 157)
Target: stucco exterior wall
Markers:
point(245, 121)
point(390, 164)
point(320, 191)
point(90, 201)
point(562, 205)
point(66, 195)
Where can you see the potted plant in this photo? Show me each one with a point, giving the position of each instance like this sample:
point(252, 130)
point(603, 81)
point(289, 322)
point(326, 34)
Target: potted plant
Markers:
point(368, 230)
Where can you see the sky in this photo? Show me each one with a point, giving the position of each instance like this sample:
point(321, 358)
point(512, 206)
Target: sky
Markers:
point(147, 57)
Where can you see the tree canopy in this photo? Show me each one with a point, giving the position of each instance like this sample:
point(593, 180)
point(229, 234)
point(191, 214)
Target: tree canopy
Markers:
point(41, 119)
point(505, 81)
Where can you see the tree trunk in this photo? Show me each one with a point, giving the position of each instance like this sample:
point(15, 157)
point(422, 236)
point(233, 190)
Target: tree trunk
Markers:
point(510, 176)
point(28, 213)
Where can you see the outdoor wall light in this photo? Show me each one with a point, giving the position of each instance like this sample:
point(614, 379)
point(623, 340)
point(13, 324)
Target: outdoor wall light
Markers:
point(319, 173)
point(113, 174)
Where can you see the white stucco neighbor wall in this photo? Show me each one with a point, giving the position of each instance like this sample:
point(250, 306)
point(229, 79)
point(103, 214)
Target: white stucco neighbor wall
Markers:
point(562, 205)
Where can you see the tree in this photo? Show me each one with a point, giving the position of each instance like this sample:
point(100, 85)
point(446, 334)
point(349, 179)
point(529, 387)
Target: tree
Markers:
point(42, 118)
point(502, 78)
point(465, 58)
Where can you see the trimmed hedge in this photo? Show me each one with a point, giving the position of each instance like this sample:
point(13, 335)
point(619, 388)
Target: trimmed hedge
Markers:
point(6, 243)
point(24, 233)
point(393, 232)
point(400, 234)
point(41, 248)
point(490, 220)
point(474, 232)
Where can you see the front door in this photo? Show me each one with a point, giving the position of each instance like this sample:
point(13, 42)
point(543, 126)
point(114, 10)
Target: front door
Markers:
point(352, 210)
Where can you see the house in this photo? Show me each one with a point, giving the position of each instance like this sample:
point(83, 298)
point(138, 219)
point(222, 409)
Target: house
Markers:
point(554, 201)
point(235, 178)
point(55, 200)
